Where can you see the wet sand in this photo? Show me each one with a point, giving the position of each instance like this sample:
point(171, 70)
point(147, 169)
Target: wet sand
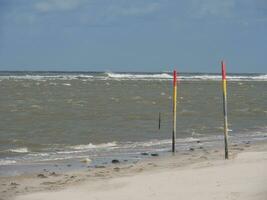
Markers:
point(197, 174)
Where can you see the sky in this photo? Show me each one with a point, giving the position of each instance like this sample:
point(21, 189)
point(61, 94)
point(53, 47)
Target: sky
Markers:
point(133, 35)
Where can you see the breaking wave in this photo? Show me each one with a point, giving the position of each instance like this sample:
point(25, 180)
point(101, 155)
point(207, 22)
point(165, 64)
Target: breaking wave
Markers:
point(229, 77)
point(139, 76)
point(94, 146)
point(87, 76)
point(7, 162)
point(19, 150)
point(46, 77)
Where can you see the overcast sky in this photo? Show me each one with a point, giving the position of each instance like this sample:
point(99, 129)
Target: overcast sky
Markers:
point(133, 35)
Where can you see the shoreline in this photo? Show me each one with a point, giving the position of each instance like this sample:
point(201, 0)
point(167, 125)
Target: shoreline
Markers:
point(74, 160)
point(48, 181)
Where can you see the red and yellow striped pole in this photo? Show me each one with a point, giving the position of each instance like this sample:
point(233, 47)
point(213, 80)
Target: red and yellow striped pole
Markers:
point(224, 87)
point(174, 109)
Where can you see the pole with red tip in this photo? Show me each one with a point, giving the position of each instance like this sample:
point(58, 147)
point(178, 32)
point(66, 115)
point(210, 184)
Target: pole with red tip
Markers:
point(174, 109)
point(224, 87)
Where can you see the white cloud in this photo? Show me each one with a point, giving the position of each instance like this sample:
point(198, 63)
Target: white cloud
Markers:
point(134, 10)
point(115, 12)
point(220, 8)
point(243, 12)
point(57, 5)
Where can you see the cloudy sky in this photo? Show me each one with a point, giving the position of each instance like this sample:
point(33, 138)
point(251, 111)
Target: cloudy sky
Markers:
point(133, 35)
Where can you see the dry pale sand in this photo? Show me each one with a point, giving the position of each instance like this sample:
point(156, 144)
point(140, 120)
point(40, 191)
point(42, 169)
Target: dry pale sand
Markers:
point(242, 177)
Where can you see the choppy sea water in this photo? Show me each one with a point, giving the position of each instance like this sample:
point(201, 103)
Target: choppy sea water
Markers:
point(56, 117)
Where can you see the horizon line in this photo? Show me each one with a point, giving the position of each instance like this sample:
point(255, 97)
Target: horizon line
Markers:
point(109, 71)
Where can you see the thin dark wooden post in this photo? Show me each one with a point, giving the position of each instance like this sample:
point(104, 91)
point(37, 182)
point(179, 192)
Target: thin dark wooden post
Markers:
point(159, 120)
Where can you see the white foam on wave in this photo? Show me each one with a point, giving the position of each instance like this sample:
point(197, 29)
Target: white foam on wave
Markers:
point(46, 77)
point(152, 143)
point(63, 158)
point(165, 76)
point(66, 84)
point(133, 76)
point(94, 146)
point(260, 77)
point(229, 77)
point(201, 77)
point(19, 150)
point(72, 152)
point(139, 76)
point(7, 162)
point(83, 76)
point(39, 154)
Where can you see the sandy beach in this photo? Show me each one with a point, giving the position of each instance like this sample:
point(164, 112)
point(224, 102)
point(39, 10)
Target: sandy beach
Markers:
point(199, 174)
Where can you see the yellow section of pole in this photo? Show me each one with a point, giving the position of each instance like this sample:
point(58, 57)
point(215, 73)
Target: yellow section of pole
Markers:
point(224, 85)
point(174, 109)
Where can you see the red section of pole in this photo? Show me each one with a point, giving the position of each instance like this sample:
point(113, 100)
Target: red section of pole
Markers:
point(223, 71)
point(174, 78)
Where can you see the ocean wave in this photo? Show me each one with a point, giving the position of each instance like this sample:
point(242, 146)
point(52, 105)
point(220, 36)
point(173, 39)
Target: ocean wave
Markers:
point(135, 76)
point(94, 146)
point(46, 77)
point(139, 76)
point(66, 84)
point(39, 154)
point(7, 162)
point(19, 150)
point(201, 77)
point(71, 152)
point(190, 77)
point(229, 77)
point(152, 143)
point(63, 158)
point(260, 77)
point(112, 149)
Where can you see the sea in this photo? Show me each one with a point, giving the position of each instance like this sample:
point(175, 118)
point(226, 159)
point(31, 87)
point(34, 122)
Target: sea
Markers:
point(55, 118)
